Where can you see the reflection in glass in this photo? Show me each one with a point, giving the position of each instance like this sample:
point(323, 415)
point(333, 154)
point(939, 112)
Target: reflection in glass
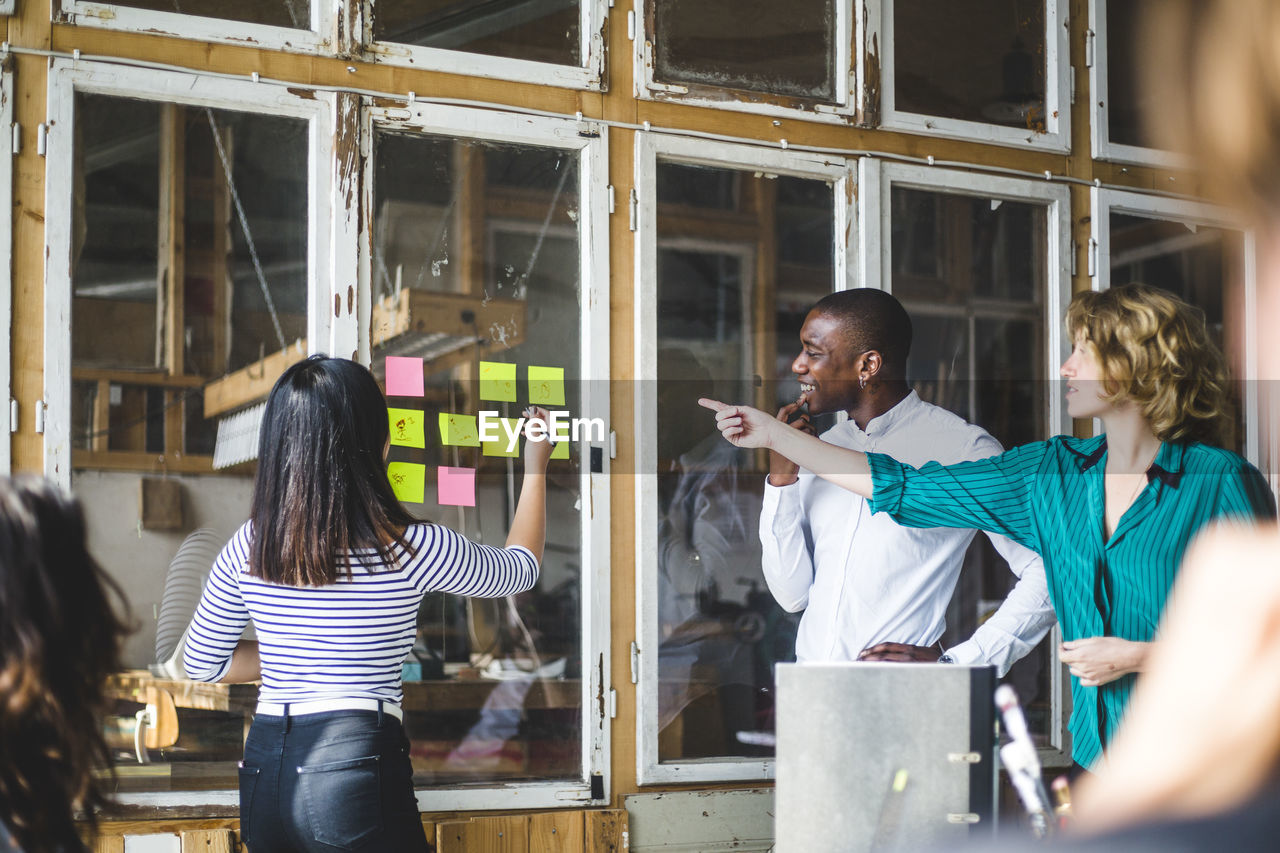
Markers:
point(786, 49)
point(1203, 265)
point(174, 297)
point(295, 14)
point(976, 60)
point(534, 30)
point(734, 286)
point(476, 257)
point(971, 271)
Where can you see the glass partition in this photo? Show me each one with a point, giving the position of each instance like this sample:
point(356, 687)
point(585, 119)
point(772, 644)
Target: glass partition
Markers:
point(477, 278)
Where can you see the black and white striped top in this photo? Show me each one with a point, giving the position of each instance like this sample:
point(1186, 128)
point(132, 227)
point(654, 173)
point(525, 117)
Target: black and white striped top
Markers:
point(346, 640)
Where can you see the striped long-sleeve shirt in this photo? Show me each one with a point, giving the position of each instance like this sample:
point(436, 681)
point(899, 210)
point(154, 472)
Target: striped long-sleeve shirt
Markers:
point(1050, 497)
point(348, 639)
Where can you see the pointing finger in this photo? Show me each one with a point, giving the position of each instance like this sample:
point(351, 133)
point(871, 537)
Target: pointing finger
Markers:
point(713, 405)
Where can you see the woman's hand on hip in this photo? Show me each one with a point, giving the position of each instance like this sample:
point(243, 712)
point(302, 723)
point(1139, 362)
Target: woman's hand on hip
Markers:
point(1099, 660)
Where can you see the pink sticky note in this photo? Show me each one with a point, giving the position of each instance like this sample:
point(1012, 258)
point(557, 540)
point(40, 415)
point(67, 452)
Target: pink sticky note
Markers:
point(456, 486)
point(404, 377)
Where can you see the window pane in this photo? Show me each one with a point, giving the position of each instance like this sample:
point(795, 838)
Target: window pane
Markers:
point(976, 60)
point(295, 14)
point(971, 271)
point(1123, 105)
point(477, 258)
point(759, 45)
point(166, 302)
point(536, 30)
point(1202, 265)
point(734, 286)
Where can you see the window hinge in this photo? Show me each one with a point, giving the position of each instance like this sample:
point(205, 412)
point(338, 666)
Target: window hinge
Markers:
point(1089, 38)
point(1093, 257)
point(634, 205)
point(13, 415)
point(612, 201)
point(631, 24)
point(40, 407)
point(613, 444)
point(613, 704)
point(1073, 84)
point(635, 663)
point(1074, 249)
point(17, 138)
point(42, 138)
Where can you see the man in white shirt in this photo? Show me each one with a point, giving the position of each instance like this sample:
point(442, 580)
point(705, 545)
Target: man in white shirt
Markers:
point(870, 589)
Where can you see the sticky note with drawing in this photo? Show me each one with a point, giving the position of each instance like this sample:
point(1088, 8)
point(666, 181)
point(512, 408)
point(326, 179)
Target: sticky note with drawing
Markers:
point(459, 430)
point(455, 486)
point(497, 381)
point(546, 386)
point(498, 446)
point(404, 377)
point(408, 481)
point(406, 427)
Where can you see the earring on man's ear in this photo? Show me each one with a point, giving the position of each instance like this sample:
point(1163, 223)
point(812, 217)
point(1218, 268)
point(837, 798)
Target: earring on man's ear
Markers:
point(862, 382)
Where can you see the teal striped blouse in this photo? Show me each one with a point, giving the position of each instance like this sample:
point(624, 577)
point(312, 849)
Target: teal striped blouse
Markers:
point(1049, 497)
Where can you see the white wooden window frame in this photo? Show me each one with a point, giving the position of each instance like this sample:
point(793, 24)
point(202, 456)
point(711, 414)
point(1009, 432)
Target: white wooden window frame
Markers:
point(68, 77)
point(1057, 135)
point(589, 74)
point(1099, 112)
point(1104, 202)
point(878, 179)
point(851, 53)
point(650, 148)
point(6, 266)
point(590, 141)
point(320, 38)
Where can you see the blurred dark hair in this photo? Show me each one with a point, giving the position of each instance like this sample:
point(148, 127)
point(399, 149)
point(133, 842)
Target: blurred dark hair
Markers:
point(321, 489)
point(60, 634)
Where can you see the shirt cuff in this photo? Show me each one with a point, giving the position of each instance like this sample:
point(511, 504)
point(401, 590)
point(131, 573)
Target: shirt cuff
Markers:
point(887, 482)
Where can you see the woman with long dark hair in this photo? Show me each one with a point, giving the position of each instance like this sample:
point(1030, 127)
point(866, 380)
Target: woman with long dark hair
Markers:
point(332, 569)
point(59, 640)
point(1111, 515)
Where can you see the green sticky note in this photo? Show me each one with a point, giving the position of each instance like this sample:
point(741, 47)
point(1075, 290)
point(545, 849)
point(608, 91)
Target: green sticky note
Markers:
point(459, 430)
point(497, 381)
point(408, 481)
point(498, 446)
point(406, 427)
point(546, 386)
point(560, 451)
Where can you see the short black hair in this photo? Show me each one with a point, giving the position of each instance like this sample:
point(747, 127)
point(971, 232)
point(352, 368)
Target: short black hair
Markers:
point(872, 320)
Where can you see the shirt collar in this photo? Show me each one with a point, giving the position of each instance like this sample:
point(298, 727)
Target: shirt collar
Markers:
point(1166, 467)
point(881, 424)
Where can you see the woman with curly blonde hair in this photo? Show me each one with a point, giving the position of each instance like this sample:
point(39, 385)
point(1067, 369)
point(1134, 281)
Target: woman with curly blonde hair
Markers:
point(1111, 515)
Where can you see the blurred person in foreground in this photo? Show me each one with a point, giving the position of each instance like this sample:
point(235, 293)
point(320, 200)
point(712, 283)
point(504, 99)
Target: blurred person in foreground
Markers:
point(1198, 765)
point(59, 640)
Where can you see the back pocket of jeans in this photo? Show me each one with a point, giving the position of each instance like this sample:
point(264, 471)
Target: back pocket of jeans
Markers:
point(344, 801)
point(248, 784)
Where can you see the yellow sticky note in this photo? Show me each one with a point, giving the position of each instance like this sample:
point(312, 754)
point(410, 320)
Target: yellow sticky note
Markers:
point(406, 427)
point(498, 446)
point(408, 481)
point(560, 451)
point(497, 381)
point(459, 430)
point(546, 386)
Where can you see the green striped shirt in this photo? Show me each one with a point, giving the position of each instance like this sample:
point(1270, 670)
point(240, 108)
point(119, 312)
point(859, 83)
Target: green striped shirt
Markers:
point(1049, 497)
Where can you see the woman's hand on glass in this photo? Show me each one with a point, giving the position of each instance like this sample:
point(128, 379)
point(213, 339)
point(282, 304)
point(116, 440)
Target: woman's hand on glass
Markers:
point(538, 445)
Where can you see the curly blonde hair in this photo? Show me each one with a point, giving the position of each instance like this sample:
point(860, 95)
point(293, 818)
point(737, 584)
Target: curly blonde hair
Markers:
point(1155, 351)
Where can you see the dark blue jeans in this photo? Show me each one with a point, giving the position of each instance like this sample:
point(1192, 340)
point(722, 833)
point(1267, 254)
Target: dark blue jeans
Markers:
point(339, 780)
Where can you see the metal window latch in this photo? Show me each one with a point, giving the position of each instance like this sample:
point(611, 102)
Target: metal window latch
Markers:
point(635, 663)
point(964, 757)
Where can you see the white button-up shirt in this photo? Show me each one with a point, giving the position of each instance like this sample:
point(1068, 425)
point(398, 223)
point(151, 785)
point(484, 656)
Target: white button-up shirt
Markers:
point(862, 579)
